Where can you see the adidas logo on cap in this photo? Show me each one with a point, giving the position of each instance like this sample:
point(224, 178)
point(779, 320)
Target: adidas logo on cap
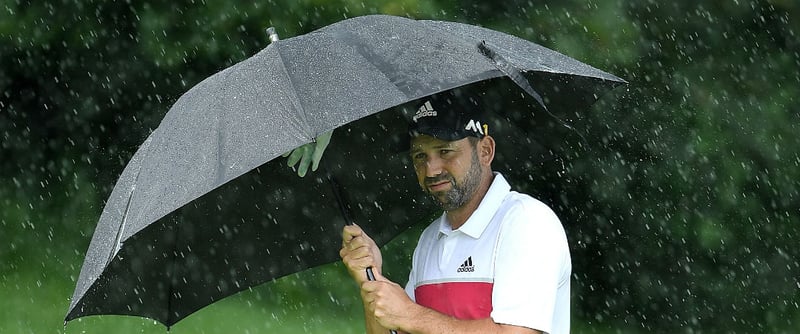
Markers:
point(424, 111)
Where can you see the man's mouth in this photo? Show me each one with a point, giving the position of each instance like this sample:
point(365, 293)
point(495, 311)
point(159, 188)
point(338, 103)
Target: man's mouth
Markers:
point(439, 185)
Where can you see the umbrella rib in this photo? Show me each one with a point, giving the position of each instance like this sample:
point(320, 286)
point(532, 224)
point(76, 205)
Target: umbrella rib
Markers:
point(121, 229)
point(594, 72)
point(513, 73)
point(299, 105)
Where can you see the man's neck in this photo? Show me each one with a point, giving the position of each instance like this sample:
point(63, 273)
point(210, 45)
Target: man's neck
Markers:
point(456, 218)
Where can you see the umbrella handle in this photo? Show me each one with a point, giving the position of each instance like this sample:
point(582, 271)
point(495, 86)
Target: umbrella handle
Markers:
point(371, 277)
point(337, 189)
point(370, 274)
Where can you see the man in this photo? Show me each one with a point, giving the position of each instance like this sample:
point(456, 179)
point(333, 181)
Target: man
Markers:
point(496, 261)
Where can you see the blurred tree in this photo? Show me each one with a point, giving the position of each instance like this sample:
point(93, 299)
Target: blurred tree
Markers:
point(692, 194)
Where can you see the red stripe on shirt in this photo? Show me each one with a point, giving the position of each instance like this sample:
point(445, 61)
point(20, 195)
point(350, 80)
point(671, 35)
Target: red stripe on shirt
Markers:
point(463, 300)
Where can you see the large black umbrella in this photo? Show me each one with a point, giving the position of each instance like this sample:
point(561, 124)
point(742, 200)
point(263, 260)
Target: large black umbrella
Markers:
point(204, 209)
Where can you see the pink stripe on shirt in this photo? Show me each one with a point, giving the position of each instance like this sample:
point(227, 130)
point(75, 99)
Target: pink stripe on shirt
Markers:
point(463, 300)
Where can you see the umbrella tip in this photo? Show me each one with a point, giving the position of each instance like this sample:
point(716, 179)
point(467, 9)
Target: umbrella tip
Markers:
point(273, 36)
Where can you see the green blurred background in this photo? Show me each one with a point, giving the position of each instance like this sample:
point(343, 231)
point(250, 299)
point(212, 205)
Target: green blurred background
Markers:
point(683, 215)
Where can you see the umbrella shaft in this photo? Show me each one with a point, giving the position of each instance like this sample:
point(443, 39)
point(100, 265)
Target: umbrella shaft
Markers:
point(371, 277)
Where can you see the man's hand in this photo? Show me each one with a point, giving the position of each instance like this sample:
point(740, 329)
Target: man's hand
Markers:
point(359, 252)
point(309, 154)
point(387, 302)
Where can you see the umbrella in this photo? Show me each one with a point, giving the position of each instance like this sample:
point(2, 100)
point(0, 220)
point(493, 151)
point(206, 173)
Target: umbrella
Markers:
point(205, 208)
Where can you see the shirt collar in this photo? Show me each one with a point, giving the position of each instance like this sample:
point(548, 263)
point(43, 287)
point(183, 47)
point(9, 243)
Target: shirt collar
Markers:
point(478, 220)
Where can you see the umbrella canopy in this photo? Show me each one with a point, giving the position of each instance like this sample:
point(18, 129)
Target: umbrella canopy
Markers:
point(204, 209)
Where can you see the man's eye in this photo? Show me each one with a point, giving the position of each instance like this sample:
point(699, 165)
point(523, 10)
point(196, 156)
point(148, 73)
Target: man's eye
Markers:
point(445, 152)
point(419, 156)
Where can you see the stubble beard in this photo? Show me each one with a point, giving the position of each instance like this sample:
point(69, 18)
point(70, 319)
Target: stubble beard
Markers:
point(460, 194)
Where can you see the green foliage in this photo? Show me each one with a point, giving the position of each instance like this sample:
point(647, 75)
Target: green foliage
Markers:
point(682, 214)
point(694, 223)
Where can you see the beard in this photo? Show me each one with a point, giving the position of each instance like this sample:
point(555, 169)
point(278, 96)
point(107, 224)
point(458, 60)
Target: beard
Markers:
point(460, 192)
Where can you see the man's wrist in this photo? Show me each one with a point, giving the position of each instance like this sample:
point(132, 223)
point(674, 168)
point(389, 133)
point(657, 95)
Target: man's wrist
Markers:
point(418, 318)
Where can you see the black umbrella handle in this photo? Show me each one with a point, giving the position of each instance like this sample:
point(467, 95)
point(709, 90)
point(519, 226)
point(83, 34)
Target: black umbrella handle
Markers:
point(337, 192)
point(371, 277)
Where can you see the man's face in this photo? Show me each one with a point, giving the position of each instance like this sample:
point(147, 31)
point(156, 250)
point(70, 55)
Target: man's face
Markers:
point(447, 170)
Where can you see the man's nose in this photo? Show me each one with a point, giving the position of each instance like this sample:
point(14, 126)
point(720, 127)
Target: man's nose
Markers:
point(433, 166)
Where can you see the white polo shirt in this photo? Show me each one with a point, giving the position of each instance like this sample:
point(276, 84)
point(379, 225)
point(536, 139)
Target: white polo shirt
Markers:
point(509, 261)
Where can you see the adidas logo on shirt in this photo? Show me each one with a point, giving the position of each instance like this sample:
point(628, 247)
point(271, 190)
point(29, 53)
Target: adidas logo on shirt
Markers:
point(467, 266)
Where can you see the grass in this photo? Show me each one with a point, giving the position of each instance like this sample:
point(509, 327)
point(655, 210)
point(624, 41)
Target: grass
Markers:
point(33, 304)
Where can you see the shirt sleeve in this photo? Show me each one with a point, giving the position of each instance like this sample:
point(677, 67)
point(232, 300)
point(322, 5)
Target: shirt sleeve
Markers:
point(532, 261)
point(412, 276)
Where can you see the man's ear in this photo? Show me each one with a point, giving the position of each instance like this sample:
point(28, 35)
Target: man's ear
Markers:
point(486, 150)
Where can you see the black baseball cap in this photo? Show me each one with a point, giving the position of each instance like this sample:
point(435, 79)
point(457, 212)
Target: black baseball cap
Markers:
point(449, 116)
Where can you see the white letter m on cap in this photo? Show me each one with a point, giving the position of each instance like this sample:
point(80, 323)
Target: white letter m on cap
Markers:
point(475, 126)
